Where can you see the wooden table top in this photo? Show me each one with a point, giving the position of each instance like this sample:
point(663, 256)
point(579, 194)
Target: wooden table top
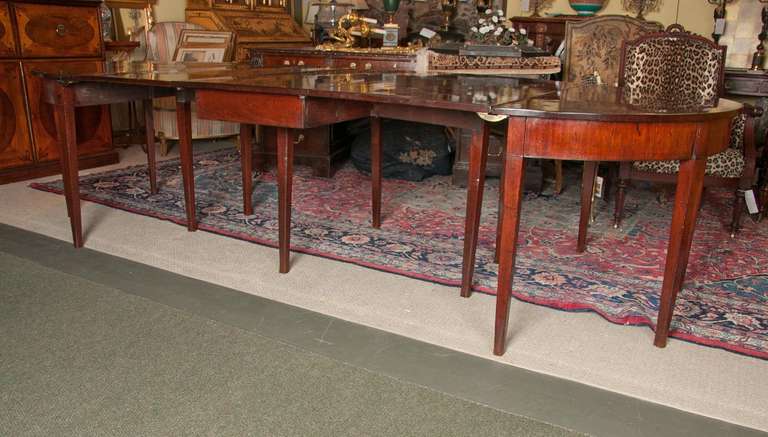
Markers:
point(487, 94)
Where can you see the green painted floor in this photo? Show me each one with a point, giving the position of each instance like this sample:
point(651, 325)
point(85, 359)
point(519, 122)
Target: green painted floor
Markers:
point(80, 358)
point(91, 344)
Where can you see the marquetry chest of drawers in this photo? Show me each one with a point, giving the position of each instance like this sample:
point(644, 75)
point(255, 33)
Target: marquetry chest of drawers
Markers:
point(52, 36)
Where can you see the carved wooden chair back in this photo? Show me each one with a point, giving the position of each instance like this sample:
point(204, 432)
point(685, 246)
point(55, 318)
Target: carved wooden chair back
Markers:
point(672, 69)
point(594, 46)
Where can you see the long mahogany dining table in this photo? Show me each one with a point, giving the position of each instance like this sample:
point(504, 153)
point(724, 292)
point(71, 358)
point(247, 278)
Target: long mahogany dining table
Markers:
point(291, 98)
point(546, 120)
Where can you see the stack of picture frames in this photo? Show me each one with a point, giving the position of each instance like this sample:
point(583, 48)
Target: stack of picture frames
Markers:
point(204, 46)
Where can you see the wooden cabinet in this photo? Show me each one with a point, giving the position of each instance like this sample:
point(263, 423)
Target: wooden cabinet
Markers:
point(255, 23)
point(93, 122)
point(15, 148)
point(58, 31)
point(52, 36)
point(7, 42)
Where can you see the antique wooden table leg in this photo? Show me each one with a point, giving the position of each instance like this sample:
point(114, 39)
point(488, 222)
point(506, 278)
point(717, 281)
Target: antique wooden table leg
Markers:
point(149, 126)
point(500, 210)
point(246, 162)
point(587, 188)
point(65, 128)
point(478, 155)
point(514, 173)
point(184, 124)
point(690, 181)
point(63, 161)
point(376, 171)
point(284, 182)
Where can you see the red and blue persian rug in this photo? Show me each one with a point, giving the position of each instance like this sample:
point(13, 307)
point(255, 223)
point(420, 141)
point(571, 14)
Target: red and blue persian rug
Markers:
point(723, 304)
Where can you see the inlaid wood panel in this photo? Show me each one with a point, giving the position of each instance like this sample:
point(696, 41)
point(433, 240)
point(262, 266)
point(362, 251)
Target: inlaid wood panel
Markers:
point(94, 130)
point(7, 43)
point(15, 147)
point(58, 31)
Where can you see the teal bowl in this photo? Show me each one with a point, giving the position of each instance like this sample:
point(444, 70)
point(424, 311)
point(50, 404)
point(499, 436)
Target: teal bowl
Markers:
point(587, 7)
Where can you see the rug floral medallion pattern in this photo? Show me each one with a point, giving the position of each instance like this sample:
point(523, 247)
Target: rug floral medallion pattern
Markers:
point(724, 302)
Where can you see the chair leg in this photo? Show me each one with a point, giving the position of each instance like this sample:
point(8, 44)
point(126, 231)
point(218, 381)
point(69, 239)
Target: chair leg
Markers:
point(739, 202)
point(163, 143)
point(618, 212)
point(587, 190)
point(558, 176)
point(621, 188)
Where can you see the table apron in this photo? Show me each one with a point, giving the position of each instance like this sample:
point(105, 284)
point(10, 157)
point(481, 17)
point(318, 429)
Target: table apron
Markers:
point(92, 94)
point(620, 141)
point(278, 110)
point(436, 116)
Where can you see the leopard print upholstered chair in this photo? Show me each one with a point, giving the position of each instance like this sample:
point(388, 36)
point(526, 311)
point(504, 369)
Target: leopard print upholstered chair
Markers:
point(677, 70)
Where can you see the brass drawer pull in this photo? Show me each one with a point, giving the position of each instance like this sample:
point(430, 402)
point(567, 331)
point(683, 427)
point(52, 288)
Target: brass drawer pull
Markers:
point(61, 30)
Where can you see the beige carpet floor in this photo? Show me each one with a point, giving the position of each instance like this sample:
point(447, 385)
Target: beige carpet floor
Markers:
point(577, 346)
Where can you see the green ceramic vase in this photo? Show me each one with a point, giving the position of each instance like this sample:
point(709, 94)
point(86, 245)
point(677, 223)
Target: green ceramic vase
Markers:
point(390, 7)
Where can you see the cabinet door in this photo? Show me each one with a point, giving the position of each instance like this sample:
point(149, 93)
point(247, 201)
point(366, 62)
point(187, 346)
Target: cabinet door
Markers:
point(58, 31)
point(15, 147)
point(7, 44)
point(94, 127)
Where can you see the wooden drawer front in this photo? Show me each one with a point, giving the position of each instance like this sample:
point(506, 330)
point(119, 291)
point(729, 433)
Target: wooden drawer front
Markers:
point(363, 64)
point(94, 127)
point(15, 148)
point(742, 86)
point(282, 61)
point(7, 44)
point(58, 31)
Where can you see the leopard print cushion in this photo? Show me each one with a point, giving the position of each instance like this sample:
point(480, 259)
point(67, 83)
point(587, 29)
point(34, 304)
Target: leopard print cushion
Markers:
point(672, 72)
point(726, 164)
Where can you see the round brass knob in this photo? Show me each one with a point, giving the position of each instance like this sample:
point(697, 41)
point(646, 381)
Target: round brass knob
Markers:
point(300, 63)
point(368, 66)
point(286, 62)
point(61, 30)
point(352, 65)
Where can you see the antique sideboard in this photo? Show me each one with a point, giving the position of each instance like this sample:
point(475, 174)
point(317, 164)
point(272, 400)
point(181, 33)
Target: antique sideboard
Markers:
point(51, 36)
point(255, 23)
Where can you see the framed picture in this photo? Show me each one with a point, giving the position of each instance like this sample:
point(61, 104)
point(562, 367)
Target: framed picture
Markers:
point(191, 54)
point(204, 46)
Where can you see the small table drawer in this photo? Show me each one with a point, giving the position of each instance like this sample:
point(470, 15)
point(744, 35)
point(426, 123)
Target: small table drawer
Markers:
point(362, 63)
point(7, 44)
point(58, 31)
point(282, 61)
point(746, 86)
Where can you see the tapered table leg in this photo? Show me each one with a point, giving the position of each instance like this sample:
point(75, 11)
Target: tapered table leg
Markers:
point(149, 125)
point(63, 161)
point(690, 181)
point(500, 212)
point(376, 172)
point(478, 156)
point(184, 124)
point(513, 195)
point(284, 187)
point(246, 163)
point(587, 189)
point(66, 133)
